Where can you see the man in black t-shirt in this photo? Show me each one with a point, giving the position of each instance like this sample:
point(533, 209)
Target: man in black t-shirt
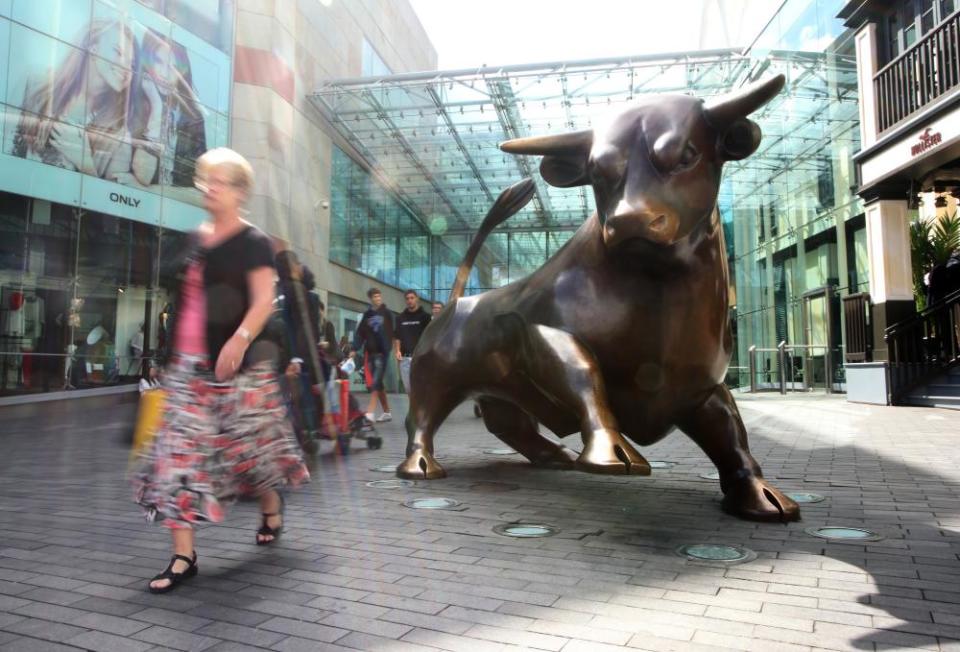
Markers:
point(410, 326)
point(375, 335)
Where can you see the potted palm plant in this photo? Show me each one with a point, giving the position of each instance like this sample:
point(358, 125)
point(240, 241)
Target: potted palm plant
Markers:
point(932, 242)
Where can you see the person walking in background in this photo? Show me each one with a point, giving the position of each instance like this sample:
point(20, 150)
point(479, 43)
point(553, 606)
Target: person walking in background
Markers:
point(329, 361)
point(375, 335)
point(410, 326)
point(223, 433)
point(299, 307)
point(435, 309)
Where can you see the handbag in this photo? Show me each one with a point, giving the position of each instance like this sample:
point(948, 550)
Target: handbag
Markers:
point(149, 414)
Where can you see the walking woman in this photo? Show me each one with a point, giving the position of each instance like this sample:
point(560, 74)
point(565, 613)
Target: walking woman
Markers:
point(224, 432)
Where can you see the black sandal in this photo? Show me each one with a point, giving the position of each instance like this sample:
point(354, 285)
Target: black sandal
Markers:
point(267, 531)
point(175, 578)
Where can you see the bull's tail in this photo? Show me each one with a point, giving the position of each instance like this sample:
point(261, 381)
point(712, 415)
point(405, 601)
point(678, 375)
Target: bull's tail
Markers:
point(508, 203)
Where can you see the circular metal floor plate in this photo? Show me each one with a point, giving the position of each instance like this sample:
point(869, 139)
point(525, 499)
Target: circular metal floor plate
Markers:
point(716, 553)
point(386, 468)
point(805, 497)
point(712, 475)
point(432, 503)
point(391, 484)
point(661, 464)
point(499, 451)
point(843, 533)
point(525, 530)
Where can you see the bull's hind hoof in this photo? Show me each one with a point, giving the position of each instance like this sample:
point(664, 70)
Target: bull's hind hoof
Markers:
point(611, 454)
point(420, 465)
point(756, 499)
point(561, 458)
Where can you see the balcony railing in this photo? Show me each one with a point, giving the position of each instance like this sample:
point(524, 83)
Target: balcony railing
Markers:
point(927, 70)
point(857, 318)
point(923, 346)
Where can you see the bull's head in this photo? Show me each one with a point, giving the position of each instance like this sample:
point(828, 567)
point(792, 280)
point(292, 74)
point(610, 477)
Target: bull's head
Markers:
point(655, 170)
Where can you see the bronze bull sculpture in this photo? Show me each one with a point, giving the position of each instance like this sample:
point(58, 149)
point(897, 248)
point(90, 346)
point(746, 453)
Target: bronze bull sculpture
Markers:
point(625, 330)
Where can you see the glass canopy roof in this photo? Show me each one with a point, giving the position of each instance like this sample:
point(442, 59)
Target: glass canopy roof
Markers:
point(432, 138)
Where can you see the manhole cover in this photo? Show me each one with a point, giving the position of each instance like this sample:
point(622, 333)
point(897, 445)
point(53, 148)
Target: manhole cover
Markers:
point(661, 464)
point(713, 475)
point(525, 530)
point(500, 451)
point(717, 553)
point(840, 533)
point(386, 468)
point(432, 503)
point(805, 497)
point(391, 484)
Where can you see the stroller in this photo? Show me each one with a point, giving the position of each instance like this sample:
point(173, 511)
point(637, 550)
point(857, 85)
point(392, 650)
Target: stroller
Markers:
point(352, 422)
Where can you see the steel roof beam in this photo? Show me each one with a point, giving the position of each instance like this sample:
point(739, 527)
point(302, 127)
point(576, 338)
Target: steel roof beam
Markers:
point(411, 154)
point(504, 104)
point(368, 162)
point(483, 72)
point(454, 133)
point(572, 126)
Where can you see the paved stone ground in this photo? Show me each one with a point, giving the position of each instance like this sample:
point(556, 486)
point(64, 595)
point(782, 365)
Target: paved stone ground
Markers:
point(358, 571)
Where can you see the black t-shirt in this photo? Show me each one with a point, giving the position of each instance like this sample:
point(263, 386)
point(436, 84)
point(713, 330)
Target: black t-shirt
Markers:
point(225, 268)
point(375, 332)
point(410, 326)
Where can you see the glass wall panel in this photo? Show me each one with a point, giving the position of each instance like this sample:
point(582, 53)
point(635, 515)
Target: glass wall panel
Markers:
point(372, 232)
point(38, 247)
point(785, 209)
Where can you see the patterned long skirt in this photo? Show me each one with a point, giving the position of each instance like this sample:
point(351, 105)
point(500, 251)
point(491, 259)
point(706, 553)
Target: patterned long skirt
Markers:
point(217, 441)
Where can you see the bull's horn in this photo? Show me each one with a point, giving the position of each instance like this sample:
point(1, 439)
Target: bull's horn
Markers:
point(725, 110)
point(575, 141)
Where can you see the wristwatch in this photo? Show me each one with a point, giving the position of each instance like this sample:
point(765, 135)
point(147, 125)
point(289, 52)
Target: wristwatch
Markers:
point(245, 334)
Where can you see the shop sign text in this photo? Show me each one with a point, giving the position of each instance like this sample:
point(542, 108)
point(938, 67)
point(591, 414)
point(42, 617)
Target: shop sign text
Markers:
point(117, 198)
point(927, 141)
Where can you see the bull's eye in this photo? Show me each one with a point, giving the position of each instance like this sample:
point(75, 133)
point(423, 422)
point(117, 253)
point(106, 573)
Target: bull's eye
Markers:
point(688, 158)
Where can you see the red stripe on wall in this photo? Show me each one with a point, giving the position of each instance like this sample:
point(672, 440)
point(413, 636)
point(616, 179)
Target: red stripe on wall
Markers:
point(263, 68)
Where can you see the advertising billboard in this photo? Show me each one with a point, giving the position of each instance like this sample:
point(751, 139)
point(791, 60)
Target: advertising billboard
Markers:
point(108, 103)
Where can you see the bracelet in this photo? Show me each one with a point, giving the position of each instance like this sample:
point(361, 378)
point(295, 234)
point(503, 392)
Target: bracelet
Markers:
point(245, 334)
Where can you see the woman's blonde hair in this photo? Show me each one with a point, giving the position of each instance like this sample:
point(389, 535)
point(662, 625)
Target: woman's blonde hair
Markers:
point(236, 166)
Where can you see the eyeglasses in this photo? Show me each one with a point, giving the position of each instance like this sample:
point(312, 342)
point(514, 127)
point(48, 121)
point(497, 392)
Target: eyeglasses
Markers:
point(204, 185)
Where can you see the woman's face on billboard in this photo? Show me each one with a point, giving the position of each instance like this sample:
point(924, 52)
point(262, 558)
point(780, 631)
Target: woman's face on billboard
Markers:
point(114, 56)
point(161, 68)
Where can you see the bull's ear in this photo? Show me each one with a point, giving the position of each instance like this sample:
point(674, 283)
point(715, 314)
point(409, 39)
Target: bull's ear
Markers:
point(740, 140)
point(565, 156)
point(565, 171)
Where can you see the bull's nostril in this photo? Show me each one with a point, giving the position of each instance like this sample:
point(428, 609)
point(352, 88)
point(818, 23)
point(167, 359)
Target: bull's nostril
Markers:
point(659, 223)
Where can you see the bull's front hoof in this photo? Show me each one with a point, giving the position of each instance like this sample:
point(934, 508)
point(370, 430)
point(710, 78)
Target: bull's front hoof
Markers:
point(755, 499)
point(611, 455)
point(420, 465)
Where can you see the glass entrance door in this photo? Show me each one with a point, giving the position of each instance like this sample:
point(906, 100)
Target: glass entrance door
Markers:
point(818, 339)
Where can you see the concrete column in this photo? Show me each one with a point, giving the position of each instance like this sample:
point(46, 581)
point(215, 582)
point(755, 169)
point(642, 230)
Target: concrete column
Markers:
point(866, 47)
point(891, 279)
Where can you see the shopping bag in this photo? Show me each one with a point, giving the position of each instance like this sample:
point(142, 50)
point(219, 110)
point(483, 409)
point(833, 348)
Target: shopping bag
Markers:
point(348, 366)
point(148, 419)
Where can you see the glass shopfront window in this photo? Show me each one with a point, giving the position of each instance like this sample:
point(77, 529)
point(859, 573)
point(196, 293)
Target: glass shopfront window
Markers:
point(82, 298)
